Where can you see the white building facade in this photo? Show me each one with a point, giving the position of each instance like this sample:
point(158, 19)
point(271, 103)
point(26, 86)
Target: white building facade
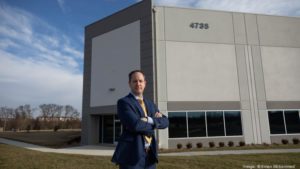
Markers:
point(218, 76)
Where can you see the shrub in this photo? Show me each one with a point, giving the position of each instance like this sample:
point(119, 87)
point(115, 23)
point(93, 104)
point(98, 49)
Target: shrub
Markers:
point(199, 145)
point(161, 149)
point(295, 141)
point(56, 128)
point(230, 143)
point(242, 143)
point(189, 145)
point(266, 144)
point(75, 140)
point(285, 141)
point(221, 144)
point(211, 144)
point(28, 128)
point(179, 146)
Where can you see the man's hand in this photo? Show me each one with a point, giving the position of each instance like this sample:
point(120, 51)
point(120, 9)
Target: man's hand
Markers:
point(144, 119)
point(158, 114)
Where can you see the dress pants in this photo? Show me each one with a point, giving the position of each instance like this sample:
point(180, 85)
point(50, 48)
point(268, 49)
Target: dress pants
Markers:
point(146, 162)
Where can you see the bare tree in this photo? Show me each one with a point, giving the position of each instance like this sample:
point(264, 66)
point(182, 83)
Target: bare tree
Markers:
point(6, 114)
point(45, 111)
point(71, 112)
point(50, 116)
point(22, 117)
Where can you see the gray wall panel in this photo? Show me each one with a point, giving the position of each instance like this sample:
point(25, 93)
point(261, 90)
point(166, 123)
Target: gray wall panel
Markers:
point(283, 104)
point(141, 11)
point(102, 110)
point(217, 105)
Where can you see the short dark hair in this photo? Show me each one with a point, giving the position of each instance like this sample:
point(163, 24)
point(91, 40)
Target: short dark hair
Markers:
point(135, 71)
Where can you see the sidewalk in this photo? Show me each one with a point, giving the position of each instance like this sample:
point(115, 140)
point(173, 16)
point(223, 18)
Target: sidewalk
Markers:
point(95, 150)
point(98, 150)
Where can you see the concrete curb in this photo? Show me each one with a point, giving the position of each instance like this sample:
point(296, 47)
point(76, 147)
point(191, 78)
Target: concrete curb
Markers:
point(232, 152)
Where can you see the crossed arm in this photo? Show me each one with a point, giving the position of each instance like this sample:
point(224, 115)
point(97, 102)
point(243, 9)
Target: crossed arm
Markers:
point(133, 123)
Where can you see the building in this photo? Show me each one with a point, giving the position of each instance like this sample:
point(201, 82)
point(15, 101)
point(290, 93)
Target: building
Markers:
point(218, 76)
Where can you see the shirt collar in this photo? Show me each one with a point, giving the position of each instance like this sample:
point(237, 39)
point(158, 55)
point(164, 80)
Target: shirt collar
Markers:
point(137, 97)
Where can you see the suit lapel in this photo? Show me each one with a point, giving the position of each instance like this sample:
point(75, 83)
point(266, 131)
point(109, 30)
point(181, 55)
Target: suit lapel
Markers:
point(137, 105)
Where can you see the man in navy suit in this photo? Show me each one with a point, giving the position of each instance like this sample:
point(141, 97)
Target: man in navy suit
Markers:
point(137, 148)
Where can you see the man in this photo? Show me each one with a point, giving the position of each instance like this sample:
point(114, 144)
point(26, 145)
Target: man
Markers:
point(137, 148)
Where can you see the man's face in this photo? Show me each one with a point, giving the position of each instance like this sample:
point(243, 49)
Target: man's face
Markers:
point(137, 83)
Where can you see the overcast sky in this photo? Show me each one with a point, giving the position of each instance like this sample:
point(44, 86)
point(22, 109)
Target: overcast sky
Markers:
point(41, 42)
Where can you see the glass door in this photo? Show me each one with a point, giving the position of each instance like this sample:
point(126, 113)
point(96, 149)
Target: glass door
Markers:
point(108, 129)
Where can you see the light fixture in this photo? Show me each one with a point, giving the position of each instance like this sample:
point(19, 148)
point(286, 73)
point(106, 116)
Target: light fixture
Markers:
point(112, 89)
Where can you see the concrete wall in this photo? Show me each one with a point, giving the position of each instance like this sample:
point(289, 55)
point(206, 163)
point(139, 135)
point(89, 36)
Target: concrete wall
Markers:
point(281, 67)
point(201, 72)
point(279, 31)
point(197, 68)
point(280, 48)
point(239, 61)
point(278, 138)
point(280, 40)
point(205, 141)
point(241, 58)
point(178, 21)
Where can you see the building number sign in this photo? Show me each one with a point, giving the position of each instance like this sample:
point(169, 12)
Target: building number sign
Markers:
point(197, 25)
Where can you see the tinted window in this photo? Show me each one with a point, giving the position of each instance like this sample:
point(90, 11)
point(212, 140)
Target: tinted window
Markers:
point(215, 125)
point(196, 121)
point(292, 121)
point(233, 123)
point(276, 122)
point(177, 124)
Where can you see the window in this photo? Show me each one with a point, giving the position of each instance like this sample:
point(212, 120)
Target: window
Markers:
point(276, 122)
point(196, 124)
point(292, 121)
point(177, 126)
point(233, 123)
point(215, 123)
point(284, 121)
point(205, 124)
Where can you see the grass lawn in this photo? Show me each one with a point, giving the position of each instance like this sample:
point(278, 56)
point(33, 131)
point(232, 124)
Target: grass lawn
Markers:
point(14, 158)
point(51, 139)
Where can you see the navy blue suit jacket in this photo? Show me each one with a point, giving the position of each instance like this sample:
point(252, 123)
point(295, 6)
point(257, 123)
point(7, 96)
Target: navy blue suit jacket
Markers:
point(131, 145)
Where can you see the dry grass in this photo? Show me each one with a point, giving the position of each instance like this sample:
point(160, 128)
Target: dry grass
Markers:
point(14, 158)
point(19, 158)
point(51, 139)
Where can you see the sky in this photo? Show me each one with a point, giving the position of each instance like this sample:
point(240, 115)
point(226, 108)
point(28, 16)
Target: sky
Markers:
point(42, 41)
